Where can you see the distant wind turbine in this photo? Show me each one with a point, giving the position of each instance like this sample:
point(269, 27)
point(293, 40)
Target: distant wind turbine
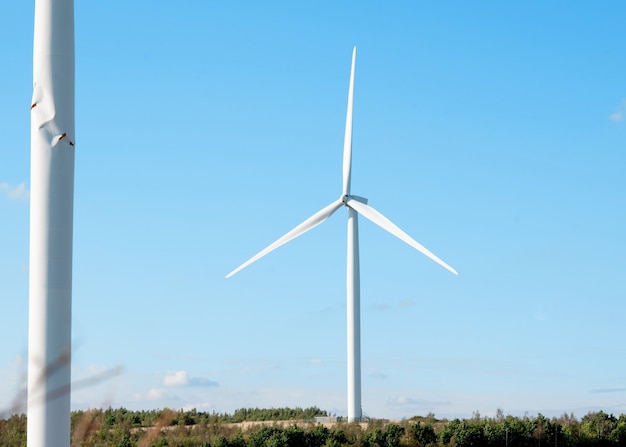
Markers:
point(356, 205)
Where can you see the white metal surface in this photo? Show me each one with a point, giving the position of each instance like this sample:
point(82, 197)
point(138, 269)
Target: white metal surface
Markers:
point(347, 141)
point(353, 317)
point(370, 213)
point(305, 226)
point(51, 225)
point(356, 205)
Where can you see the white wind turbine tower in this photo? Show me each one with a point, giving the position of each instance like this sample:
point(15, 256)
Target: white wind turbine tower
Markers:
point(51, 224)
point(356, 205)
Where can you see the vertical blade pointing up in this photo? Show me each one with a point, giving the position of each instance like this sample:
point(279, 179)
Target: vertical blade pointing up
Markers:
point(347, 142)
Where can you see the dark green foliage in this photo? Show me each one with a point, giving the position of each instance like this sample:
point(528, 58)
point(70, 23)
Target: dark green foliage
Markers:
point(237, 441)
point(390, 437)
point(422, 435)
point(13, 431)
point(158, 428)
point(296, 437)
point(466, 433)
point(267, 436)
point(318, 436)
point(373, 438)
point(274, 414)
point(337, 437)
point(220, 441)
point(393, 435)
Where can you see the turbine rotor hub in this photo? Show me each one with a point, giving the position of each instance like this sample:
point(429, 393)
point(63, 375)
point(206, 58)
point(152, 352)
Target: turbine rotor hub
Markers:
point(347, 197)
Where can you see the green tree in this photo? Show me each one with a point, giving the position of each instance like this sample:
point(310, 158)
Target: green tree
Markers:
point(422, 435)
point(295, 437)
point(373, 438)
point(495, 432)
point(221, 441)
point(317, 437)
point(392, 436)
point(268, 436)
point(467, 433)
point(618, 434)
point(13, 431)
point(597, 428)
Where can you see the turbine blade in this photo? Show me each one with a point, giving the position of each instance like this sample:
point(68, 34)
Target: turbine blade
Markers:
point(305, 226)
point(380, 220)
point(347, 142)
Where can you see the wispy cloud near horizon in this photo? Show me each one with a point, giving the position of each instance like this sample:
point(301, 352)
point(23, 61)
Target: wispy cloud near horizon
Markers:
point(18, 192)
point(181, 378)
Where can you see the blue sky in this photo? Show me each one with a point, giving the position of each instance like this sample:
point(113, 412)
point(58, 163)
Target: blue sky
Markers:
point(493, 133)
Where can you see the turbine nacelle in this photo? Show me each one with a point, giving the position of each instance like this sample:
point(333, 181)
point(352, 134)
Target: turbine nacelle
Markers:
point(348, 197)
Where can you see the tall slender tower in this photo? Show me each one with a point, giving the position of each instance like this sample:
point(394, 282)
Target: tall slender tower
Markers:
point(51, 222)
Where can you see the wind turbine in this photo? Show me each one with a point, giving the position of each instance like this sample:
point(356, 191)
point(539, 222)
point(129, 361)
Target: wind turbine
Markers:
point(51, 225)
point(356, 205)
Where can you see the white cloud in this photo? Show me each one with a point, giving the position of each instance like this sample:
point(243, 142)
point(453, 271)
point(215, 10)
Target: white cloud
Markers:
point(18, 192)
point(159, 394)
point(88, 371)
point(178, 378)
point(181, 378)
point(204, 406)
point(155, 394)
point(417, 402)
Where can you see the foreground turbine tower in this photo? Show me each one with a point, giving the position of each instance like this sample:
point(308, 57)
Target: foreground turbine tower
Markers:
point(356, 205)
point(51, 218)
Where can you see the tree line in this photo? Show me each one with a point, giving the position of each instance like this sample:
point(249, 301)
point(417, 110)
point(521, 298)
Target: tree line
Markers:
point(158, 428)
